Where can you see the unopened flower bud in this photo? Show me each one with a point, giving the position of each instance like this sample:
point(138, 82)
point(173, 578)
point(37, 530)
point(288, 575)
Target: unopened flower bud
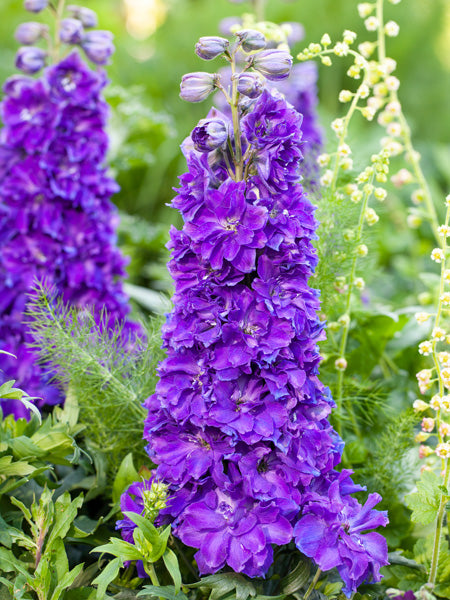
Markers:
point(420, 406)
point(210, 47)
point(195, 87)
point(71, 31)
point(98, 46)
point(209, 135)
point(340, 364)
point(422, 436)
point(273, 64)
point(29, 33)
point(35, 5)
point(30, 59)
point(87, 16)
point(427, 424)
point(424, 451)
point(250, 85)
point(251, 40)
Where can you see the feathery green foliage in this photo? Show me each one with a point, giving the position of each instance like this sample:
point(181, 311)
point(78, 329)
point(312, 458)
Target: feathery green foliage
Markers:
point(103, 380)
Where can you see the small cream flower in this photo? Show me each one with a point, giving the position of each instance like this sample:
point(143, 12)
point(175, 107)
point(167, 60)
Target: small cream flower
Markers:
point(420, 406)
point(362, 250)
point(371, 23)
point(425, 348)
point(443, 450)
point(340, 364)
point(438, 255)
point(345, 96)
point(391, 29)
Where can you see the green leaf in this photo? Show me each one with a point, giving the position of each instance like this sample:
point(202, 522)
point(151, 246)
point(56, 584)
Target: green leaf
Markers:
point(66, 582)
point(108, 575)
point(65, 512)
point(224, 583)
point(118, 547)
point(9, 563)
point(425, 502)
point(168, 592)
point(171, 562)
point(12, 469)
point(157, 539)
point(126, 475)
point(297, 578)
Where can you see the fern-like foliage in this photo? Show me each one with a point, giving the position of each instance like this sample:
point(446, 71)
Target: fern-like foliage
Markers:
point(104, 377)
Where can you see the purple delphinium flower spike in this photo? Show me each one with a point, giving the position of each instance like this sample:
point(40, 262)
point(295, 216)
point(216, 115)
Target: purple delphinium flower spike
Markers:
point(238, 425)
point(56, 218)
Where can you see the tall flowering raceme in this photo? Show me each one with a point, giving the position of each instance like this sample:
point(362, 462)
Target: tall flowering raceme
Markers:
point(238, 423)
point(57, 222)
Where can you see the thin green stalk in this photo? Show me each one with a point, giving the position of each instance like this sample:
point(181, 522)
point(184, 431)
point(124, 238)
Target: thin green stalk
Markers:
point(238, 160)
point(346, 327)
point(58, 17)
point(439, 522)
point(312, 584)
point(259, 8)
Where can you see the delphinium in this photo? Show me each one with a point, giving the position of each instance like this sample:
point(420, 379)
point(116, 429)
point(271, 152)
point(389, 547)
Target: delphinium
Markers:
point(57, 222)
point(238, 426)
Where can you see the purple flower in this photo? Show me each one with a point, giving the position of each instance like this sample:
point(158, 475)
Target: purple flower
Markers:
point(56, 222)
point(30, 59)
point(196, 87)
point(231, 529)
point(331, 531)
point(71, 31)
point(35, 5)
point(30, 32)
point(273, 64)
point(98, 46)
point(209, 134)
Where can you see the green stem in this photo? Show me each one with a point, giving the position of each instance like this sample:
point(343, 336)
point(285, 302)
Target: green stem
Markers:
point(258, 7)
point(238, 160)
point(58, 17)
point(439, 522)
point(149, 567)
point(312, 584)
point(380, 33)
point(346, 328)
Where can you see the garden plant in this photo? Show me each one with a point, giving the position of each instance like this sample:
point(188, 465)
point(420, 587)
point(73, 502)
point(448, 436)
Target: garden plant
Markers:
point(224, 316)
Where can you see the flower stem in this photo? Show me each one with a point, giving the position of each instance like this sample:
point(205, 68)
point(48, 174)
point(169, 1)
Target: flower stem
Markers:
point(312, 584)
point(258, 7)
point(238, 160)
point(57, 42)
point(439, 522)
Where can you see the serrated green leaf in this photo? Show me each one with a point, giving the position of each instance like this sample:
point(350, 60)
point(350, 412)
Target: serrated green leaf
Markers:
point(425, 502)
point(167, 592)
point(126, 475)
point(108, 575)
point(171, 562)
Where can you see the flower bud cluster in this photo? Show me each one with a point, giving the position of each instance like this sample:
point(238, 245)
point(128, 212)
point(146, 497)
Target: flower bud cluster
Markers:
point(58, 223)
point(97, 44)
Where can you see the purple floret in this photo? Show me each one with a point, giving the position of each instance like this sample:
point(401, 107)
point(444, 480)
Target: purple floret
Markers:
point(56, 218)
